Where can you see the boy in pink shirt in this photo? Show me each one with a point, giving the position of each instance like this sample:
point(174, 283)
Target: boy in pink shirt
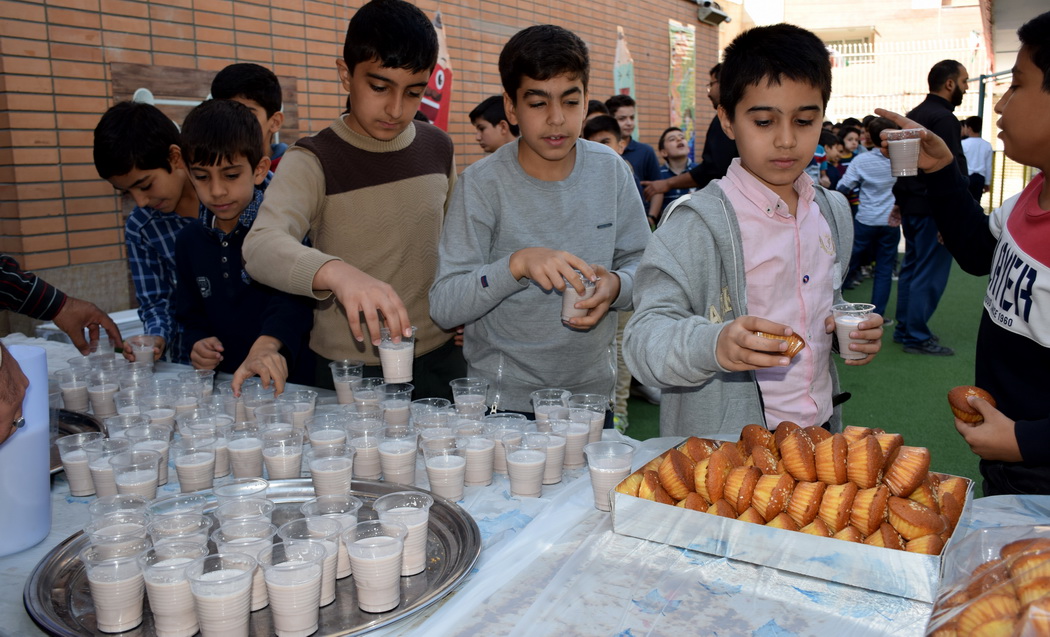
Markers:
point(761, 250)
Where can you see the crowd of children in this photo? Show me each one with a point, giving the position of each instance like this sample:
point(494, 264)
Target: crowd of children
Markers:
point(245, 270)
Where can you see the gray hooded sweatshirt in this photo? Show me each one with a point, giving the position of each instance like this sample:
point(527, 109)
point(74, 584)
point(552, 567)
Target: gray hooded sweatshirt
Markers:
point(690, 284)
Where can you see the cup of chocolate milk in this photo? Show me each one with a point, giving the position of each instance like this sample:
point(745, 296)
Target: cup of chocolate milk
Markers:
point(376, 548)
point(847, 317)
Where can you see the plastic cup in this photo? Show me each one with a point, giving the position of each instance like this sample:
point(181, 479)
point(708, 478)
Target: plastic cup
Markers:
point(398, 449)
point(98, 454)
point(241, 489)
point(155, 438)
point(847, 317)
point(143, 347)
point(903, 146)
point(470, 390)
point(270, 414)
point(341, 508)
point(244, 510)
point(134, 375)
point(368, 391)
point(74, 386)
point(412, 509)
point(75, 461)
point(302, 402)
point(365, 437)
point(397, 398)
point(323, 532)
point(570, 297)
point(102, 387)
point(222, 592)
point(376, 549)
point(293, 582)
point(245, 448)
point(557, 436)
point(422, 406)
point(283, 453)
point(136, 472)
point(576, 435)
point(597, 404)
point(471, 411)
point(479, 451)
point(545, 401)
point(116, 585)
point(251, 537)
point(206, 378)
point(176, 504)
point(325, 430)
point(168, 590)
point(396, 358)
point(188, 527)
point(526, 461)
point(195, 463)
point(344, 372)
point(446, 469)
point(331, 468)
point(609, 463)
point(497, 425)
point(120, 503)
point(117, 534)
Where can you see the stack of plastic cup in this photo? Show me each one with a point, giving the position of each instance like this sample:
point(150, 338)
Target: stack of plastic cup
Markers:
point(241, 489)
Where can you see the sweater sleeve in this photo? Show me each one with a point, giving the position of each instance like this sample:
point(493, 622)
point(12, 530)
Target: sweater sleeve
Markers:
point(960, 220)
point(631, 238)
point(468, 284)
point(1033, 439)
point(189, 306)
point(26, 293)
point(668, 342)
point(273, 250)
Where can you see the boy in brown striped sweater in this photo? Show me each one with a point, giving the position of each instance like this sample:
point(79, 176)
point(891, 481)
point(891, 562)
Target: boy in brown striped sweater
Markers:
point(371, 192)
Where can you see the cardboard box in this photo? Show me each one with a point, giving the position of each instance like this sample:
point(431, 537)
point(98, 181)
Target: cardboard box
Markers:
point(900, 573)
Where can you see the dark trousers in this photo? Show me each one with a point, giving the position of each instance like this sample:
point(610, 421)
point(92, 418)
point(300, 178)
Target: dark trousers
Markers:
point(923, 277)
point(880, 241)
point(431, 372)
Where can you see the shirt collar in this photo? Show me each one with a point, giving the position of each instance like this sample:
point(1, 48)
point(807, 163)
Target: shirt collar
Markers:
point(247, 218)
point(762, 197)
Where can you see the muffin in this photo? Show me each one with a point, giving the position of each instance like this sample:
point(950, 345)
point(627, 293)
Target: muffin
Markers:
point(740, 486)
point(908, 470)
point(864, 462)
point(676, 474)
point(836, 505)
point(772, 494)
point(830, 460)
point(869, 509)
point(797, 453)
point(805, 502)
point(912, 519)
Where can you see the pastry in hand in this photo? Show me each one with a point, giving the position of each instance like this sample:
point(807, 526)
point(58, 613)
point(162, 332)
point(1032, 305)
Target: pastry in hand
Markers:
point(962, 408)
point(795, 343)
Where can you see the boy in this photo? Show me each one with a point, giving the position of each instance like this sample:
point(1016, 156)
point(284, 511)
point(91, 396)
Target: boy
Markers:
point(605, 130)
point(595, 108)
point(1013, 345)
point(492, 129)
point(874, 235)
point(136, 149)
point(833, 150)
point(640, 156)
point(257, 88)
point(236, 325)
point(674, 148)
point(761, 250)
point(525, 220)
point(374, 229)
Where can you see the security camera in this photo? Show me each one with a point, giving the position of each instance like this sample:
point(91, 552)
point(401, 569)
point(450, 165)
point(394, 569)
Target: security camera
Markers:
point(709, 12)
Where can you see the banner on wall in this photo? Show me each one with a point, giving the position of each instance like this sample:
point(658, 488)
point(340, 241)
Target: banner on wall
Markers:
point(437, 97)
point(681, 80)
point(623, 73)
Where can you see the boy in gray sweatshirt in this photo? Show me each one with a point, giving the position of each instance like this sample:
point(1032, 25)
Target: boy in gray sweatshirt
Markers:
point(522, 222)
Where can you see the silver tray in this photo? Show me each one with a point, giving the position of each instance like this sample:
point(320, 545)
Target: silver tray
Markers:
point(71, 422)
point(57, 596)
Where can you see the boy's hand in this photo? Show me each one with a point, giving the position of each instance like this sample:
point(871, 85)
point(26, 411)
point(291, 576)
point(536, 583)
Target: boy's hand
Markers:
point(933, 152)
point(993, 439)
point(606, 289)
point(550, 268)
point(869, 329)
point(740, 349)
point(157, 351)
point(265, 361)
point(360, 293)
point(206, 353)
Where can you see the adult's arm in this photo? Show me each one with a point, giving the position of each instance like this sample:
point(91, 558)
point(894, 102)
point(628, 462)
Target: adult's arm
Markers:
point(26, 293)
point(13, 384)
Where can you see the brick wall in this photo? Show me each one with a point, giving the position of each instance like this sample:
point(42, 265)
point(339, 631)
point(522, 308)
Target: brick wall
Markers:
point(59, 219)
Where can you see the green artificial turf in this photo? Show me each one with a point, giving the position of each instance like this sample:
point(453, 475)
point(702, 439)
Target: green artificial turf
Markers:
point(901, 393)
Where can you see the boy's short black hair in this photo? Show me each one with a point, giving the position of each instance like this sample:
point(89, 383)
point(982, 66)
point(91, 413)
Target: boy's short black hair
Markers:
point(827, 138)
point(660, 144)
point(491, 110)
point(974, 123)
point(852, 122)
point(219, 130)
point(394, 32)
point(132, 135)
point(877, 125)
point(942, 72)
point(596, 106)
point(759, 55)
point(541, 52)
point(716, 70)
point(1035, 34)
point(602, 124)
point(618, 101)
point(866, 120)
point(249, 81)
point(846, 130)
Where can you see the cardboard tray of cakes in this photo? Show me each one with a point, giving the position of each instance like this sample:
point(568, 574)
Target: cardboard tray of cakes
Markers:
point(859, 508)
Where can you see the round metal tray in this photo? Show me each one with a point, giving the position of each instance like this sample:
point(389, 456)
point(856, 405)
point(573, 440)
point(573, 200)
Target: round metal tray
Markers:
point(71, 422)
point(57, 596)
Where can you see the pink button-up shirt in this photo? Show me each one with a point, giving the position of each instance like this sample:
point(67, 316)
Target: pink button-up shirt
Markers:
point(789, 264)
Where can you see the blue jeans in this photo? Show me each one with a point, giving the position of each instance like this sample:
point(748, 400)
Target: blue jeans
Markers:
point(923, 277)
point(880, 241)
